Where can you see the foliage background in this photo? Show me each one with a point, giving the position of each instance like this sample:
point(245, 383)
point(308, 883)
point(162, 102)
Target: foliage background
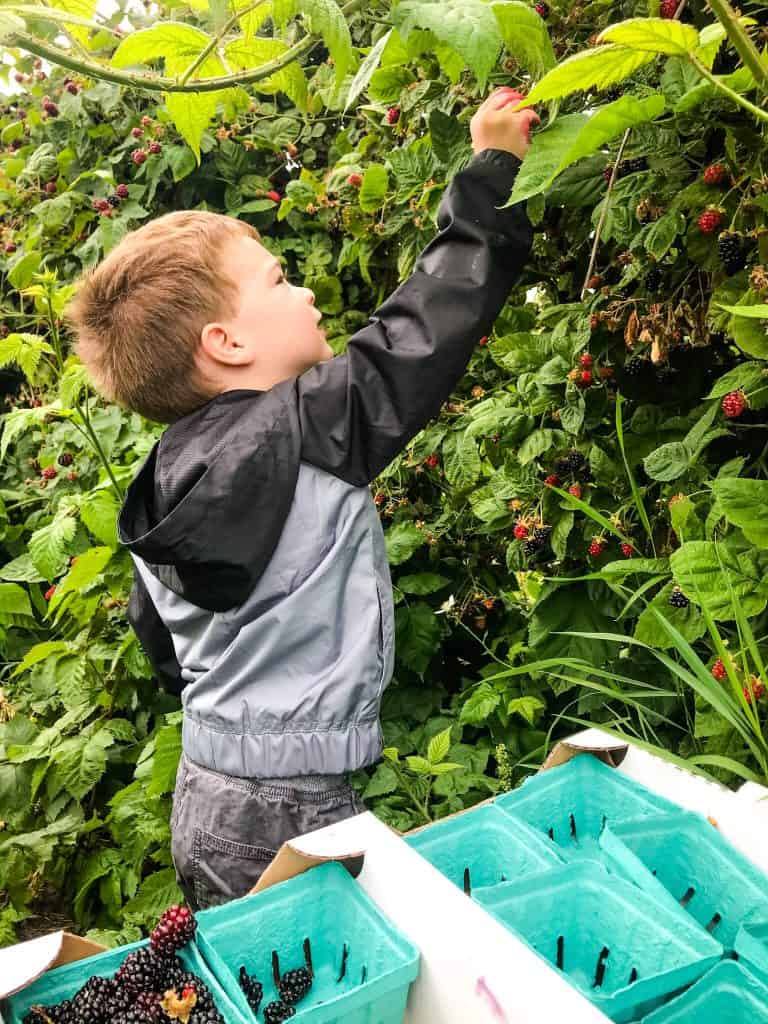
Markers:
point(498, 651)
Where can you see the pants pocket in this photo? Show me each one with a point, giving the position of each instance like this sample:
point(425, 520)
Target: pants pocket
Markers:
point(224, 869)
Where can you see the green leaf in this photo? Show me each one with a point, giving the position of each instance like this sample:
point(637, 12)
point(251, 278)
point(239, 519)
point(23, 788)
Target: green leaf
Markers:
point(418, 765)
point(323, 18)
point(448, 136)
point(78, 763)
point(590, 69)
point(744, 503)
point(543, 159)
point(367, 67)
point(697, 569)
point(653, 35)
point(422, 583)
point(192, 112)
point(373, 190)
point(467, 26)
point(439, 746)
point(746, 376)
point(402, 540)
point(527, 707)
point(661, 234)
point(384, 780)
point(753, 312)
point(417, 632)
point(245, 53)
point(15, 606)
point(99, 511)
point(156, 893)
point(689, 621)
point(21, 570)
point(88, 567)
point(525, 35)
point(481, 703)
point(47, 546)
point(462, 460)
point(165, 39)
point(667, 462)
point(165, 761)
point(26, 351)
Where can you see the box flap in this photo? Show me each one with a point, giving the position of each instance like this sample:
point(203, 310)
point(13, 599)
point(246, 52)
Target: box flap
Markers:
point(25, 962)
point(304, 852)
point(592, 741)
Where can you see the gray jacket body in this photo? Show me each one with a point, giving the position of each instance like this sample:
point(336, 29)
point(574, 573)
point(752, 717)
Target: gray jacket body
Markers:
point(261, 589)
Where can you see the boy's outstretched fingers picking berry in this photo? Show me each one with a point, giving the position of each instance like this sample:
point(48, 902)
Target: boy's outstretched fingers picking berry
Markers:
point(497, 124)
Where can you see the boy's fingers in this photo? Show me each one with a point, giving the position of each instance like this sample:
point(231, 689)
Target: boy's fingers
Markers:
point(505, 97)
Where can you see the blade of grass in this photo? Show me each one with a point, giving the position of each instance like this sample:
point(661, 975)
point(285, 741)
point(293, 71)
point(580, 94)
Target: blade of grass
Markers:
point(638, 499)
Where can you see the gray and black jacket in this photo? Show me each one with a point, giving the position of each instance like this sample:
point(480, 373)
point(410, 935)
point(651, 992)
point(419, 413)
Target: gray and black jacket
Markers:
point(261, 588)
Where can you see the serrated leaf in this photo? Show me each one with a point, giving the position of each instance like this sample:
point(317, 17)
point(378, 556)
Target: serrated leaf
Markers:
point(752, 312)
point(707, 571)
point(15, 606)
point(653, 35)
point(156, 893)
point(590, 69)
point(402, 540)
point(384, 780)
point(418, 765)
point(480, 704)
point(525, 35)
point(422, 583)
point(72, 383)
point(47, 546)
point(526, 707)
point(467, 26)
point(417, 632)
point(542, 160)
point(99, 511)
point(89, 565)
point(165, 39)
point(668, 461)
point(367, 67)
point(40, 652)
point(374, 188)
point(21, 570)
point(743, 503)
point(324, 18)
point(165, 761)
point(243, 54)
point(26, 351)
point(78, 763)
point(192, 112)
point(746, 376)
point(439, 746)
point(462, 460)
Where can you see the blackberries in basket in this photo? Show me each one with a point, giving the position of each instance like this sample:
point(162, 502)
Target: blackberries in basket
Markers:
point(252, 988)
point(294, 985)
point(174, 929)
point(276, 1013)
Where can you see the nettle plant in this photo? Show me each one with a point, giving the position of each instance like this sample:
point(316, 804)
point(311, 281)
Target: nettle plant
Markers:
point(577, 536)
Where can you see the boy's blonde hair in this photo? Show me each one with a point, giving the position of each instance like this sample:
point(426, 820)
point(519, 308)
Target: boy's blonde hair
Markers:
point(138, 314)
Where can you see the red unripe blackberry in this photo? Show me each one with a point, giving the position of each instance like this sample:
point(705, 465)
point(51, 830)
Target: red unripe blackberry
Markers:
point(155, 147)
point(432, 460)
point(137, 132)
point(355, 180)
point(484, 340)
point(597, 547)
point(19, 77)
point(65, 459)
point(393, 115)
point(146, 120)
point(48, 473)
point(73, 88)
point(668, 8)
point(575, 490)
point(553, 480)
point(122, 191)
point(734, 404)
point(627, 550)
point(709, 221)
point(594, 282)
point(50, 592)
point(758, 687)
point(585, 379)
point(594, 322)
point(607, 172)
point(678, 599)
point(50, 108)
point(520, 531)
point(718, 669)
point(715, 174)
point(99, 203)
point(50, 187)
point(139, 156)
point(10, 247)
point(747, 691)
point(586, 360)
point(174, 929)
point(72, 475)
point(541, 9)
point(606, 372)
point(379, 498)
point(273, 195)
point(4, 330)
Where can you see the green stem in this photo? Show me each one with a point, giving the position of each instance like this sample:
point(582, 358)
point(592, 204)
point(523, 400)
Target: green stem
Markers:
point(201, 57)
point(97, 445)
point(152, 82)
point(762, 115)
point(64, 17)
point(743, 45)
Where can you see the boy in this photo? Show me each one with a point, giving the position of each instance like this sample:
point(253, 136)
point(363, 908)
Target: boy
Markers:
point(261, 587)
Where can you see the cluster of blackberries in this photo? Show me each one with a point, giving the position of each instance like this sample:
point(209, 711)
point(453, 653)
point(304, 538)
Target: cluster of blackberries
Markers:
point(536, 541)
point(151, 980)
point(292, 986)
point(678, 599)
point(654, 279)
point(573, 464)
point(631, 166)
point(732, 248)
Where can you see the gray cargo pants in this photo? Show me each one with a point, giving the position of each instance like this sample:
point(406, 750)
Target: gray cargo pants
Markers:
point(226, 830)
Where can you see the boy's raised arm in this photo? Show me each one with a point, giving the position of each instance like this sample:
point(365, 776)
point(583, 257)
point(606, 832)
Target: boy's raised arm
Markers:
point(358, 410)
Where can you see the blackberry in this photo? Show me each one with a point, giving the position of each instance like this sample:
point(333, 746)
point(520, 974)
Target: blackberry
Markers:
point(294, 985)
point(732, 252)
point(276, 1013)
point(530, 548)
point(95, 1000)
point(65, 459)
point(140, 971)
point(631, 166)
point(114, 200)
point(148, 1003)
point(653, 279)
point(253, 989)
point(207, 1016)
point(541, 535)
point(576, 461)
point(665, 375)
point(678, 599)
point(132, 1016)
point(562, 467)
point(175, 929)
point(636, 366)
point(614, 93)
point(612, 274)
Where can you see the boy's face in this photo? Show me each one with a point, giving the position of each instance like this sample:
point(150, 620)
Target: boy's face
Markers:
point(275, 333)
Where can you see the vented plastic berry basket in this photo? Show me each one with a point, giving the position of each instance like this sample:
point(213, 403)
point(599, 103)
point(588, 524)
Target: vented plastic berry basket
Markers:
point(63, 982)
point(573, 802)
point(483, 847)
point(363, 966)
point(751, 946)
point(711, 880)
point(727, 994)
point(624, 950)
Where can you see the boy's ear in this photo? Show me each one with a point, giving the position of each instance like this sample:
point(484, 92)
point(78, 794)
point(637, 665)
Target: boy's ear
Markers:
point(219, 343)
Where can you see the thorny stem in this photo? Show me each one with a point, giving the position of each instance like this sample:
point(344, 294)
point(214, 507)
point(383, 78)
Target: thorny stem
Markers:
point(84, 412)
point(743, 45)
point(604, 214)
point(762, 115)
point(152, 82)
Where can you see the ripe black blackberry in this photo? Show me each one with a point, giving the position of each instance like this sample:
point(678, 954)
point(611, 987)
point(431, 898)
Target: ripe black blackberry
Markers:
point(207, 1016)
point(678, 599)
point(665, 375)
point(530, 548)
point(575, 460)
point(140, 971)
point(276, 1013)
point(562, 467)
point(732, 252)
point(95, 1001)
point(636, 366)
point(253, 989)
point(131, 1016)
point(114, 200)
point(653, 279)
point(148, 1003)
point(541, 535)
point(614, 93)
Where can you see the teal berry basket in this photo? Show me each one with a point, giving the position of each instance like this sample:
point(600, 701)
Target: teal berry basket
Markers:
point(624, 950)
point(362, 965)
point(573, 802)
point(728, 994)
point(483, 847)
point(63, 982)
point(751, 947)
point(710, 879)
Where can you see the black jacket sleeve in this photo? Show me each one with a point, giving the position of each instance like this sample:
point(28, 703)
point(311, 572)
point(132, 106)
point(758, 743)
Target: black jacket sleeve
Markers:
point(154, 636)
point(358, 410)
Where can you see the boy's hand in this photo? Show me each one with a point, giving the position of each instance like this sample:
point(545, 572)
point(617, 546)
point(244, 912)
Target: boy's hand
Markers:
point(495, 125)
